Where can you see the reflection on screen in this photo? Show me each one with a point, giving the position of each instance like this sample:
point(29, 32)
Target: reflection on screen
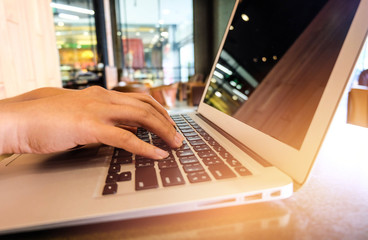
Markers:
point(276, 61)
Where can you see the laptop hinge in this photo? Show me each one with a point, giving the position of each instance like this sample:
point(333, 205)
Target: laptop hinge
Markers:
point(240, 145)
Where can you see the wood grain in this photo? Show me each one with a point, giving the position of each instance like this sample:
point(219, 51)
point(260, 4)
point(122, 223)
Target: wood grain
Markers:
point(28, 52)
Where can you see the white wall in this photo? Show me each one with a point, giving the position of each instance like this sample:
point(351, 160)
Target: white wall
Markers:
point(28, 52)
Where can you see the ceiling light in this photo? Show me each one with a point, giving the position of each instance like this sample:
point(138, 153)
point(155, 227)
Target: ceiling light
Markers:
point(219, 75)
point(245, 17)
point(218, 94)
point(224, 69)
point(72, 9)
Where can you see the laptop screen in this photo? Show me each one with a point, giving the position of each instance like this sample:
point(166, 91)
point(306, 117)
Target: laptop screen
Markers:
point(275, 62)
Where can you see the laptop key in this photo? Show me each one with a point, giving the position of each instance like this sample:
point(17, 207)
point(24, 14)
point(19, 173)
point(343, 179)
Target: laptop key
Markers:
point(212, 161)
point(114, 168)
point(125, 176)
point(197, 177)
point(111, 178)
point(126, 160)
point(243, 171)
point(110, 188)
point(193, 138)
point(188, 160)
point(185, 146)
point(233, 162)
point(167, 164)
point(171, 177)
point(221, 171)
point(184, 153)
point(226, 155)
point(194, 167)
point(145, 178)
point(190, 134)
point(197, 142)
point(207, 154)
point(199, 148)
point(141, 163)
point(122, 153)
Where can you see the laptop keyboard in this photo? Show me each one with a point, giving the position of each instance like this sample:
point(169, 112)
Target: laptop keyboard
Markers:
point(199, 159)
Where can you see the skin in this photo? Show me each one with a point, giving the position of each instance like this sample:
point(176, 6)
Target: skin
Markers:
point(49, 120)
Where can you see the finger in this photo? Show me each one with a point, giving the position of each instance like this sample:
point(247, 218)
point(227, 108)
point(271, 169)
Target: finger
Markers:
point(124, 100)
point(147, 99)
point(124, 139)
point(129, 128)
point(142, 116)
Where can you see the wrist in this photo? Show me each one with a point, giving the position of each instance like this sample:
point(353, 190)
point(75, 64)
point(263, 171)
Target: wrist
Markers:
point(9, 126)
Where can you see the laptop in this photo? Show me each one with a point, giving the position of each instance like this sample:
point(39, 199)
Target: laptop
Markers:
point(275, 84)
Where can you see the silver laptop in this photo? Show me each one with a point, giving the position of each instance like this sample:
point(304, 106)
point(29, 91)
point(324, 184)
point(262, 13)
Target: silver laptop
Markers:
point(274, 87)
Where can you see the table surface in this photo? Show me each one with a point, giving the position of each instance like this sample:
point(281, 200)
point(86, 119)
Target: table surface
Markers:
point(332, 205)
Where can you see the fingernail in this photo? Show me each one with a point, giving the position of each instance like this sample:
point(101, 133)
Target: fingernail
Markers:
point(161, 154)
point(179, 139)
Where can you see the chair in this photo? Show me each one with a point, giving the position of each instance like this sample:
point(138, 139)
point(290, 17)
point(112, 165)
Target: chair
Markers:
point(363, 78)
point(165, 94)
point(194, 89)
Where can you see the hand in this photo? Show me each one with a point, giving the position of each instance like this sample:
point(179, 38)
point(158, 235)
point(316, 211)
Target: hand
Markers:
point(69, 118)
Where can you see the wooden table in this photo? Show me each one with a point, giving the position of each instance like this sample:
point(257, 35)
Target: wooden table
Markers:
point(332, 205)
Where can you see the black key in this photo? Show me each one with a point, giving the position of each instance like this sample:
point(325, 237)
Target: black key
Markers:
point(170, 157)
point(187, 130)
point(226, 155)
point(194, 167)
point(199, 148)
point(118, 160)
point(167, 164)
point(212, 161)
point(110, 188)
point(194, 138)
point(243, 171)
point(184, 153)
point(190, 134)
point(171, 177)
point(111, 177)
point(188, 159)
point(125, 176)
point(221, 171)
point(197, 142)
point(114, 168)
point(145, 178)
point(197, 177)
point(207, 154)
point(141, 163)
point(183, 147)
point(213, 143)
point(139, 157)
point(233, 162)
point(218, 148)
point(145, 139)
point(121, 153)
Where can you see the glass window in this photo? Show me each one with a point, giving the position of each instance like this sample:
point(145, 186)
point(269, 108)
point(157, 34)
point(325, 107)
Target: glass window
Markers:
point(76, 41)
point(157, 40)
